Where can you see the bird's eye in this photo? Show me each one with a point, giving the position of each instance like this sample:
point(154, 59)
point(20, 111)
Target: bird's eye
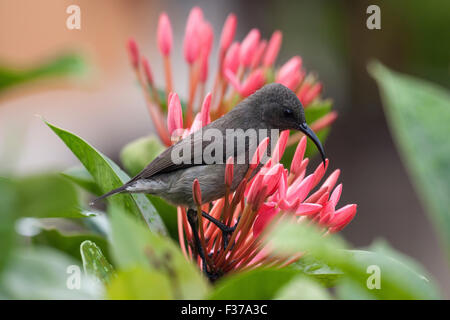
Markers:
point(288, 112)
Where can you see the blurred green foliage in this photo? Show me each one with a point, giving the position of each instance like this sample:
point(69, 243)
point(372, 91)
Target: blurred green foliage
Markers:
point(60, 66)
point(418, 114)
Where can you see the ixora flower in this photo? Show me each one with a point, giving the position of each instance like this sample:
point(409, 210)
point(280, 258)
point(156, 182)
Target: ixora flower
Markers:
point(275, 191)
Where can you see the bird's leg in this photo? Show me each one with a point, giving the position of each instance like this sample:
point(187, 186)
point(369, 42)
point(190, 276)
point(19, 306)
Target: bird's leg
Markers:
point(193, 222)
point(226, 230)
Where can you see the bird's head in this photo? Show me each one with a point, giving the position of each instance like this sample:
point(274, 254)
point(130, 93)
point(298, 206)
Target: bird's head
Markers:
point(281, 109)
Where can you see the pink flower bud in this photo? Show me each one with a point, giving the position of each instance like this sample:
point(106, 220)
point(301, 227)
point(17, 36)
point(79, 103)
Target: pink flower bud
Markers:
point(249, 46)
point(192, 37)
point(164, 35)
point(335, 196)
point(228, 31)
point(259, 153)
point(305, 209)
point(196, 192)
point(207, 37)
point(342, 217)
point(331, 180)
point(259, 198)
point(229, 172)
point(255, 188)
point(147, 70)
point(320, 172)
point(265, 215)
point(133, 52)
point(325, 121)
point(310, 93)
point(289, 68)
point(174, 114)
point(259, 54)
point(300, 188)
point(232, 60)
point(298, 156)
point(281, 146)
point(254, 81)
point(205, 116)
point(272, 178)
point(292, 80)
point(273, 48)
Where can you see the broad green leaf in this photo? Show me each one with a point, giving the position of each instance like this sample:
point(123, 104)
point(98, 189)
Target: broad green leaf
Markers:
point(302, 288)
point(68, 243)
point(133, 246)
point(401, 279)
point(8, 205)
point(168, 213)
point(40, 196)
point(140, 283)
point(317, 110)
point(109, 176)
point(62, 65)
point(43, 273)
point(257, 284)
point(47, 196)
point(94, 262)
point(81, 177)
point(418, 114)
point(136, 155)
point(319, 271)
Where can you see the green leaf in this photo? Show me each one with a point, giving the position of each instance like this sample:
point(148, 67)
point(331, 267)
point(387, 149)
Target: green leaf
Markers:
point(136, 155)
point(81, 177)
point(94, 262)
point(319, 271)
point(68, 243)
point(133, 246)
point(47, 196)
point(140, 284)
point(302, 288)
point(8, 205)
point(401, 278)
point(43, 273)
point(257, 284)
point(62, 65)
point(418, 114)
point(108, 176)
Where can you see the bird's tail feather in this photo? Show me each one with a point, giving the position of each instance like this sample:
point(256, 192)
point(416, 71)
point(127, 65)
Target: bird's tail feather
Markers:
point(110, 193)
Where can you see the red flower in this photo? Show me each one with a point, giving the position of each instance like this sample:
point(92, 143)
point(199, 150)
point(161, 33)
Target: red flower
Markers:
point(275, 191)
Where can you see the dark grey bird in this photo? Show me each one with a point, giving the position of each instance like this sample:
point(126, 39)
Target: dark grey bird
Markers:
point(273, 107)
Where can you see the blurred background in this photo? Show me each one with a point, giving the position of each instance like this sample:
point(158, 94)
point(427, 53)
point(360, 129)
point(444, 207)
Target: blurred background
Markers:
point(106, 107)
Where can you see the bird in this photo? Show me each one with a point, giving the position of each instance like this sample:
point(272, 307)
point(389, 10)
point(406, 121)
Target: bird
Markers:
point(272, 108)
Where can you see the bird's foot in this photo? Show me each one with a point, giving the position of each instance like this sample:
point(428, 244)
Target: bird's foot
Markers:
point(227, 231)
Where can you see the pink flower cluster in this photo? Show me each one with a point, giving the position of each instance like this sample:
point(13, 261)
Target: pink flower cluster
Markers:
point(242, 68)
point(275, 191)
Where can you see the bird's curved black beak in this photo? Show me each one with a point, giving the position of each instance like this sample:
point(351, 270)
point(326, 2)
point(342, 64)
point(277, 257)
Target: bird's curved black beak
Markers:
point(307, 131)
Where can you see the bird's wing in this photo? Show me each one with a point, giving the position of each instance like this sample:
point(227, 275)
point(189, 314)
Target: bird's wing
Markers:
point(164, 162)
